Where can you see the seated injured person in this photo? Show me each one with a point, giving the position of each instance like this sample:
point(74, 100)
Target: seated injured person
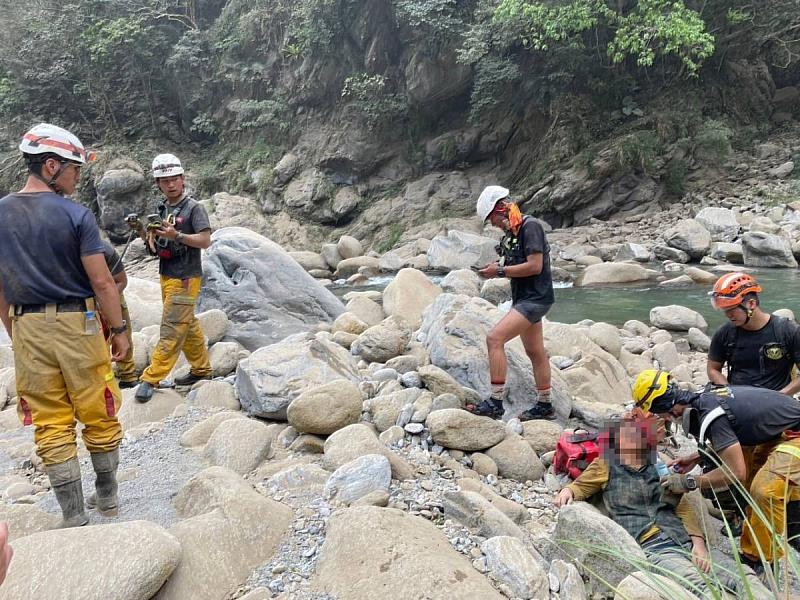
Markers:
point(662, 523)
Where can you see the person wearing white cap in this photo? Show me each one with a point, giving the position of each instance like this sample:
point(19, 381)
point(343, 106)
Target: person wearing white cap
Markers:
point(525, 260)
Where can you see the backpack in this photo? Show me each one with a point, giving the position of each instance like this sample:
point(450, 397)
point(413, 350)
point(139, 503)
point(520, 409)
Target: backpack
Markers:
point(575, 450)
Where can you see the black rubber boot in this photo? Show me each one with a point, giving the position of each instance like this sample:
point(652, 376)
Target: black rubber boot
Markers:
point(144, 392)
point(105, 498)
point(65, 479)
point(493, 408)
point(191, 379)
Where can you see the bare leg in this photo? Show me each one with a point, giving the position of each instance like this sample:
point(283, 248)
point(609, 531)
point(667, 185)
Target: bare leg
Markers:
point(509, 327)
point(533, 340)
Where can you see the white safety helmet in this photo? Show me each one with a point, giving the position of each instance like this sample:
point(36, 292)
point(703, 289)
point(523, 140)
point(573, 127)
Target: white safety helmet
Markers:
point(50, 139)
point(489, 198)
point(166, 165)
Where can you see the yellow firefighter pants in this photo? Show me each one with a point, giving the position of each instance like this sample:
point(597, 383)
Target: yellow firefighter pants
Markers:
point(63, 375)
point(180, 330)
point(775, 485)
point(126, 369)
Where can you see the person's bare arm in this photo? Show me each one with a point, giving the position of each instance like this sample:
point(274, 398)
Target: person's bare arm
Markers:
point(201, 239)
point(733, 463)
point(793, 387)
point(104, 287)
point(714, 372)
point(533, 266)
point(4, 306)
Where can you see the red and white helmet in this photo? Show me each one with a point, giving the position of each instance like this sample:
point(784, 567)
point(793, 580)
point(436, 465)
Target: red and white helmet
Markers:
point(166, 165)
point(45, 138)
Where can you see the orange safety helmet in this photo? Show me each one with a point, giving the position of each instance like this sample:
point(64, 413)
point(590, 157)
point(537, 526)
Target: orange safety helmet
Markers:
point(730, 290)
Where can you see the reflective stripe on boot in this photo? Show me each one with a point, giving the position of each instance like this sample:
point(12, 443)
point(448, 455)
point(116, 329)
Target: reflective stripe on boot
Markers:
point(105, 498)
point(65, 479)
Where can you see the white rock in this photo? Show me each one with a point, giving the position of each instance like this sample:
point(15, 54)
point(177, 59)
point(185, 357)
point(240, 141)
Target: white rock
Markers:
point(326, 408)
point(214, 324)
point(460, 250)
point(225, 356)
point(720, 223)
point(214, 394)
point(349, 247)
point(676, 318)
point(698, 340)
point(358, 478)
point(612, 273)
point(409, 293)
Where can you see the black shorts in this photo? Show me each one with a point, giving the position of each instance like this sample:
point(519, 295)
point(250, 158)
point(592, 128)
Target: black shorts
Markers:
point(532, 311)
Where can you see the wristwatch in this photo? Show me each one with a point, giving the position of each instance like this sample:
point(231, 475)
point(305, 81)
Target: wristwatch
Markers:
point(119, 330)
point(691, 483)
point(501, 272)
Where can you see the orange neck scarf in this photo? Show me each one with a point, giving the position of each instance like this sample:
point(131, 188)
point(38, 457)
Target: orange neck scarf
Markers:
point(514, 218)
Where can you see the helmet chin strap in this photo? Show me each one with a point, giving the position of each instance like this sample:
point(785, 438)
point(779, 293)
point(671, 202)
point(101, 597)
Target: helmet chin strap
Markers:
point(52, 182)
point(748, 311)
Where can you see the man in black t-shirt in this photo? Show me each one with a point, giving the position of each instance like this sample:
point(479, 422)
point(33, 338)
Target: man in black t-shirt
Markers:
point(724, 420)
point(525, 260)
point(183, 232)
point(759, 349)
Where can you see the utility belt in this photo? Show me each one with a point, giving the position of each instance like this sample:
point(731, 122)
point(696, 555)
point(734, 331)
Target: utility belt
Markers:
point(76, 305)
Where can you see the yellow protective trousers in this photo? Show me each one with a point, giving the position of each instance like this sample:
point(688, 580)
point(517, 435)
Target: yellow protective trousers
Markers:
point(126, 368)
point(180, 330)
point(773, 487)
point(63, 374)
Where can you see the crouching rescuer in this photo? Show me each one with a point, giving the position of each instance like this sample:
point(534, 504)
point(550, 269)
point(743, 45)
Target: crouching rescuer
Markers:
point(176, 235)
point(53, 278)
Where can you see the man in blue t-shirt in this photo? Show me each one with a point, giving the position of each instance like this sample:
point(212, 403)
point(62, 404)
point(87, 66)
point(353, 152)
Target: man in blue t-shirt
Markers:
point(52, 271)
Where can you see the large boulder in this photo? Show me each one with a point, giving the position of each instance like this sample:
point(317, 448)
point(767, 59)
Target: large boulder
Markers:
point(720, 223)
point(596, 379)
point(767, 250)
point(324, 409)
point(270, 378)
point(727, 252)
point(600, 548)
point(120, 192)
point(479, 515)
point(675, 317)
point(353, 441)
point(454, 331)
point(510, 562)
point(631, 251)
point(690, 236)
point(310, 261)
point(383, 341)
point(228, 529)
point(371, 552)
point(515, 459)
point(143, 299)
point(612, 273)
point(75, 563)
point(365, 309)
point(214, 324)
point(26, 519)
point(461, 430)
point(265, 293)
point(349, 247)
point(239, 445)
point(361, 476)
point(409, 293)
point(462, 281)
point(461, 250)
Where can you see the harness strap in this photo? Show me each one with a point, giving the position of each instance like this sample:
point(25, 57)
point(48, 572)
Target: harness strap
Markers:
point(789, 449)
point(707, 420)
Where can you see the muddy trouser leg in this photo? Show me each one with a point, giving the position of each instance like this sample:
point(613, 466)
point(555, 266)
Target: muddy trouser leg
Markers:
point(771, 489)
point(126, 368)
point(176, 323)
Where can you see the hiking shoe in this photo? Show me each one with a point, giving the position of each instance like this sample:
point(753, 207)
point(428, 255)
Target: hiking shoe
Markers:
point(541, 410)
point(144, 392)
point(191, 379)
point(493, 407)
point(756, 565)
point(128, 384)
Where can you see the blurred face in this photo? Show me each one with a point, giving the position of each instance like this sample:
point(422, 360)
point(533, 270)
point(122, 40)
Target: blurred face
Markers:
point(171, 187)
point(631, 446)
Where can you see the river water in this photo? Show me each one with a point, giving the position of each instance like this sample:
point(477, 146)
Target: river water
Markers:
point(619, 303)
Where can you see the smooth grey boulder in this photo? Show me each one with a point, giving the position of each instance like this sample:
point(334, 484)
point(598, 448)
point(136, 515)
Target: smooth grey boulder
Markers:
point(266, 294)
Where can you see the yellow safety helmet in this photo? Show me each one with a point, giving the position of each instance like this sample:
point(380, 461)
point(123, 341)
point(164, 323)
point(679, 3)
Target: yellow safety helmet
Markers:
point(649, 385)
